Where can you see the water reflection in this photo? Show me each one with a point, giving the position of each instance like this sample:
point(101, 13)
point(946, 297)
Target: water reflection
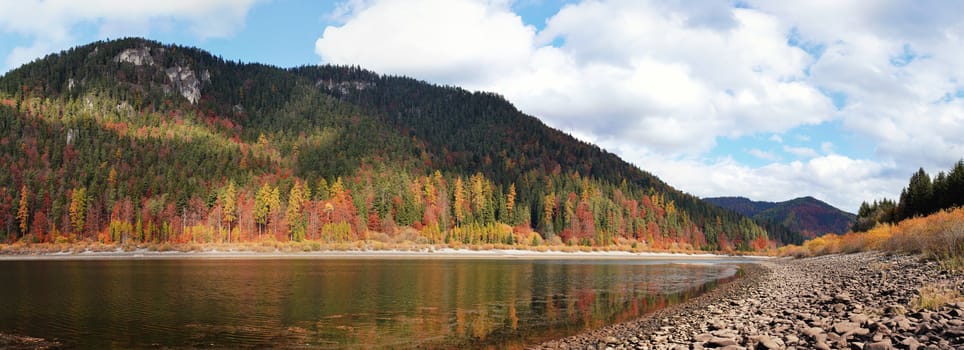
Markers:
point(334, 303)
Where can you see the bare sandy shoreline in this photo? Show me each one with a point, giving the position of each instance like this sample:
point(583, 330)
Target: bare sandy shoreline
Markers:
point(444, 253)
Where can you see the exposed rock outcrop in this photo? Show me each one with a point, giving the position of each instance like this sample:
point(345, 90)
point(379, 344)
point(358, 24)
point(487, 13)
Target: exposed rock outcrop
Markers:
point(138, 56)
point(344, 87)
point(185, 82)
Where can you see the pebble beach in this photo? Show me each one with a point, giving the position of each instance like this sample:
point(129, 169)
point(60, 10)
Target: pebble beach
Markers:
point(853, 301)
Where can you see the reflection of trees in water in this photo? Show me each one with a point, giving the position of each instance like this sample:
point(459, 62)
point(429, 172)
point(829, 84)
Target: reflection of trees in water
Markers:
point(562, 308)
point(339, 304)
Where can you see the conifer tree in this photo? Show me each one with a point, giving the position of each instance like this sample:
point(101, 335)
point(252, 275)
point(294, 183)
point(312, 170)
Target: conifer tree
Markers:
point(230, 206)
point(78, 209)
point(510, 204)
point(458, 194)
point(296, 199)
point(23, 210)
point(262, 206)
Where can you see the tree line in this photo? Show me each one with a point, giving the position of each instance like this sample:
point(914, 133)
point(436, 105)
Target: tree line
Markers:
point(922, 196)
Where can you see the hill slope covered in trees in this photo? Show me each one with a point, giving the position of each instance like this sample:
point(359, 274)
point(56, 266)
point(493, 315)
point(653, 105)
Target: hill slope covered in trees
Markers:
point(806, 216)
point(136, 141)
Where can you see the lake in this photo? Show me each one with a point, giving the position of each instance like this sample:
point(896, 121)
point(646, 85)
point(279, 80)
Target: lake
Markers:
point(336, 303)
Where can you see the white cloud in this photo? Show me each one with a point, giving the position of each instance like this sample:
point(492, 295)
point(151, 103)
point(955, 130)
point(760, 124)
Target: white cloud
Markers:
point(656, 82)
point(657, 74)
point(50, 24)
point(839, 180)
point(445, 41)
point(827, 147)
point(646, 78)
point(900, 66)
point(803, 152)
point(763, 154)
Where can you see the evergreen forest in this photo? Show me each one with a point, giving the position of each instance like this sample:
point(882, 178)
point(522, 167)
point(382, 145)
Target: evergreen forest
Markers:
point(133, 141)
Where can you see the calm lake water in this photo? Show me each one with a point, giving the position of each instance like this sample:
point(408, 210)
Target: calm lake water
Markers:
point(335, 303)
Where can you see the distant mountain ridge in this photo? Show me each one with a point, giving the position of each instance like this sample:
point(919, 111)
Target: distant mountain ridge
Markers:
point(809, 216)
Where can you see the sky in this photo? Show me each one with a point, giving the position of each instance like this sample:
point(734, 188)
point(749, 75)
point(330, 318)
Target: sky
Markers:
point(837, 99)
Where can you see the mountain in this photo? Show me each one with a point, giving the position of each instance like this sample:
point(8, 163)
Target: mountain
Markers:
point(741, 205)
point(136, 141)
point(806, 215)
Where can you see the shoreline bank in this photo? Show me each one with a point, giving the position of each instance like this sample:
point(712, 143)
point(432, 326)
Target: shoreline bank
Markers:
point(443, 253)
point(855, 301)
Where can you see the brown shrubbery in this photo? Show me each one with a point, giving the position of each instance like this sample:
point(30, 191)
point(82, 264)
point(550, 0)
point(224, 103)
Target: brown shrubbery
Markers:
point(939, 236)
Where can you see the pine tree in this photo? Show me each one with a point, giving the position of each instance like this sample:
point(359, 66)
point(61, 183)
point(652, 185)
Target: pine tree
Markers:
point(918, 198)
point(78, 209)
point(274, 209)
point(548, 207)
point(477, 183)
point(955, 184)
point(459, 201)
point(323, 190)
point(293, 214)
point(337, 188)
point(262, 206)
point(510, 204)
point(230, 206)
point(23, 210)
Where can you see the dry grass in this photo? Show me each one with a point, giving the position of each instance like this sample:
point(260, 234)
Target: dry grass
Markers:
point(939, 236)
point(932, 297)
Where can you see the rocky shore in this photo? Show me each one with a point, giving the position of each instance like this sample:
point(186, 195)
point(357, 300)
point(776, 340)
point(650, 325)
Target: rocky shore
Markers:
point(18, 342)
point(854, 301)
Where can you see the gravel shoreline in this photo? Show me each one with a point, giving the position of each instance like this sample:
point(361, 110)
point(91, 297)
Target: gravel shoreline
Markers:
point(18, 342)
point(853, 301)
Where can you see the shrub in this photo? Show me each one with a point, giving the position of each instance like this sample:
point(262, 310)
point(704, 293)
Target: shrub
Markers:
point(939, 236)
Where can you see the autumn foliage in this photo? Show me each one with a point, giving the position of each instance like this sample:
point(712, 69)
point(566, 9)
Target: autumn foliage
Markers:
point(939, 235)
point(93, 149)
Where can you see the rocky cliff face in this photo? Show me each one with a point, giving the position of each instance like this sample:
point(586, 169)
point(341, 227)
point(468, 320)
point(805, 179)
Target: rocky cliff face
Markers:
point(138, 56)
point(183, 80)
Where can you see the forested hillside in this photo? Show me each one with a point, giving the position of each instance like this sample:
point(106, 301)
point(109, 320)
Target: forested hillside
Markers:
point(799, 218)
point(741, 205)
point(136, 141)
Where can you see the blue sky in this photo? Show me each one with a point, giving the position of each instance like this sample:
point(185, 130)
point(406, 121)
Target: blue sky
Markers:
point(841, 100)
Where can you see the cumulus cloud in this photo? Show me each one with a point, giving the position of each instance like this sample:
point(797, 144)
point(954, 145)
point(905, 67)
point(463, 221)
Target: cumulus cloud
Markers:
point(756, 152)
point(49, 24)
point(900, 66)
point(839, 180)
point(671, 77)
point(803, 152)
point(659, 82)
point(445, 41)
